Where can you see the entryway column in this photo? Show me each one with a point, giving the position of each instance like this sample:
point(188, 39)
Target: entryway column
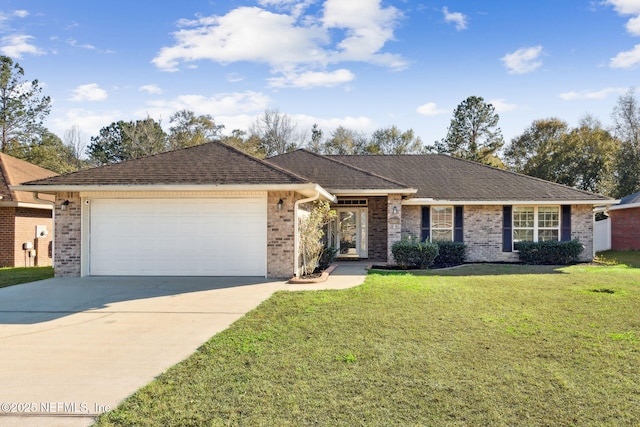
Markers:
point(394, 223)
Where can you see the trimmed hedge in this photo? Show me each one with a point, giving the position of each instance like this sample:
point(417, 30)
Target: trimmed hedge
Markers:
point(413, 254)
point(450, 254)
point(549, 252)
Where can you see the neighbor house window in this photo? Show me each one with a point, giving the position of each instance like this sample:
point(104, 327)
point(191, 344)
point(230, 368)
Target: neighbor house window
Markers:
point(442, 223)
point(536, 223)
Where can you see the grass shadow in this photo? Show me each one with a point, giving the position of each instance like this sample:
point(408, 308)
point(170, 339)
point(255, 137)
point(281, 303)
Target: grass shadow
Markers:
point(480, 269)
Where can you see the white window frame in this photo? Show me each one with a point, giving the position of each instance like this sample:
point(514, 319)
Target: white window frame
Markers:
point(536, 226)
point(450, 228)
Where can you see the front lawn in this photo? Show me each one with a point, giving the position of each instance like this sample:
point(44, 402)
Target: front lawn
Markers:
point(630, 258)
point(477, 345)
point(15, 276)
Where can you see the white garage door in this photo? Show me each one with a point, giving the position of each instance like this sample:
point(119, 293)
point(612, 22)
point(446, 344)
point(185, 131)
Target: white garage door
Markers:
point(178, 237)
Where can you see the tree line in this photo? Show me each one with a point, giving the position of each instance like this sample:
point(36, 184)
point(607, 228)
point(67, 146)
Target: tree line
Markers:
point(588, 156)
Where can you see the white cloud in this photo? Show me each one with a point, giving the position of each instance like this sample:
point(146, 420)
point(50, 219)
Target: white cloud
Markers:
point(523, 60)
point(223, 104)
point(313, 79)
point(290, 42)
point(17, 44)
point(151, 89)
point(502, 106)
point(455, 17)
point(599, 94)
point(74, 43)
point(628, 7)
point(626, 60)
point(88, 92)
point(89, 122)
point(21, 13)
point(430, 109)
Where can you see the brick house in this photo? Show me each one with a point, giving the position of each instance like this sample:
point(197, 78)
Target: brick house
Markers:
point(26, 223)
point(213, 210)
point(625, 223)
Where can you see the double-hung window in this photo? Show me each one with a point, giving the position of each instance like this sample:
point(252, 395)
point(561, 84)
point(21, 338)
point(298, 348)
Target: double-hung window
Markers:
point(442, 223)
point(536, 223)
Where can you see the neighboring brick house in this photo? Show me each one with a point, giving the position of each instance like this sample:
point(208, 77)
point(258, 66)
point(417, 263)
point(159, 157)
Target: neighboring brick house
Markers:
point(26, 224)
point(625, 223)
point(213, 210)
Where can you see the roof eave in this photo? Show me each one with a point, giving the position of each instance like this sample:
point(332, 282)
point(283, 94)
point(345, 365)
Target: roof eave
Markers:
point(430, 201)
point(12, 204)
point(307, 189)
point(372, 192)
point(625, 206)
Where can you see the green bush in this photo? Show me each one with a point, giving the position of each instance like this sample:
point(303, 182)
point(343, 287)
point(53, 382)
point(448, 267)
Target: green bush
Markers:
point(327, 257)
point(450, 254)
point(413, 254)
point(549, 252)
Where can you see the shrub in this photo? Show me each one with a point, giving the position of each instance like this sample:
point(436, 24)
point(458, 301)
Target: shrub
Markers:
point(327, 257)
point(450, 254)
point(413, 254)
point(311, 233)
point(549, 252)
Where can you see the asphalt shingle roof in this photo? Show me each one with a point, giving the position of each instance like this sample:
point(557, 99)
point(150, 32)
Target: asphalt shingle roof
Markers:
point(443, 177)
point(630, 199)
point(332, 174)
point(210, 163)
point(14, 171)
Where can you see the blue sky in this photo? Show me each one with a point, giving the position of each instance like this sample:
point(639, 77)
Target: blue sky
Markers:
point(363, 64)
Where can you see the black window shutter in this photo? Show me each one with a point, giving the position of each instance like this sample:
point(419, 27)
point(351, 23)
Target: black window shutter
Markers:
point(426, 223)
point(507, 234)
point(458, 213)
point(565, 227)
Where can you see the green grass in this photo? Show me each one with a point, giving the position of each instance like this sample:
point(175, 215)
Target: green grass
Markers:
point(630, 258)
point(15, 276)
point(477, 345)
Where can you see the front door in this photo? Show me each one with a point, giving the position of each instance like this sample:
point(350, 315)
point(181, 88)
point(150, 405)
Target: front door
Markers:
point(348, 233)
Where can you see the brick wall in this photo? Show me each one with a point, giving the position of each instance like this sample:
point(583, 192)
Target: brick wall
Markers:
point(377, 228)
point(582, 229)
point(68, 246)
point(483, 231)
point(280, 234)
point(625, 229)
point(7, 236)
point(394, 233)
point(26, 221)
point(18, 226)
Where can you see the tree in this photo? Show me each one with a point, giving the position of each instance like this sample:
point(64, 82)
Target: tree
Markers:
point(276, 132)
point(315, 144)
point(76, 140)
point(189, 130)
point(626, 128)
point(538, 151)
point(473, 133)
point(345, 141)
point(247, 144)
point(46, 150)
point(127, 140)
point(22, 108)
point(582, 157)
point(393, 141)
point(311, 231)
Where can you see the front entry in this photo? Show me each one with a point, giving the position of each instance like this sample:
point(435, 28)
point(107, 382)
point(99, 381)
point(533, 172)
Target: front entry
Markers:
point(348, 233)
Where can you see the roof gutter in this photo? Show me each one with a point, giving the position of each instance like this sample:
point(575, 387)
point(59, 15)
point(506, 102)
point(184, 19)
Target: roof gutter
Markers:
point(430, 201)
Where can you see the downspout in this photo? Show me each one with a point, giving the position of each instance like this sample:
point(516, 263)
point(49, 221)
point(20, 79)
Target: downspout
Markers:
point(296, 232)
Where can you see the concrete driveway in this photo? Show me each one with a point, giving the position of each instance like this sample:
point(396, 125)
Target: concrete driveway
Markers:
point(72, 348)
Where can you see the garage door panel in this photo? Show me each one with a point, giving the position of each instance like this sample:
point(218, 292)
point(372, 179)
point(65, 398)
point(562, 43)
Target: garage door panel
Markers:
point(178, 237)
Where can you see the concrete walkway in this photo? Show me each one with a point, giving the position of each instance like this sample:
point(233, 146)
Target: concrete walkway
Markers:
point(73, 348)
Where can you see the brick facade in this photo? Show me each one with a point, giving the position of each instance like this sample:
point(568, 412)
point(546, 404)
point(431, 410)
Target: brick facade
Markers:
point(625, 229)
point(482, 231)
point(280, 234)
point(68, 243)
point(18, 226)
point(377, 228)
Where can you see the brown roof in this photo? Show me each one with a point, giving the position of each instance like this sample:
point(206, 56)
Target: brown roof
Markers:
point(443, 177)
point(210, 163)
point(332, 174)
point(14, 171)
